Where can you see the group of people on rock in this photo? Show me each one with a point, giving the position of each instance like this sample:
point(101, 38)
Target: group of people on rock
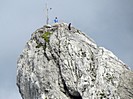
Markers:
point(56, 21)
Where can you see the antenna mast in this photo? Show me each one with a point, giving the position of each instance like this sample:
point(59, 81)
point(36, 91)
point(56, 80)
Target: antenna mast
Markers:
point(47, 18)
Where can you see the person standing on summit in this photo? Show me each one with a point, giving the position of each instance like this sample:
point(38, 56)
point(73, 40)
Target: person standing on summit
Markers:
point(69, 26)
point(55, 20)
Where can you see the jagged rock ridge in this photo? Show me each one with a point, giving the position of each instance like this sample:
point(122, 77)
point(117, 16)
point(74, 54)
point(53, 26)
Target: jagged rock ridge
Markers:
point(57, 63)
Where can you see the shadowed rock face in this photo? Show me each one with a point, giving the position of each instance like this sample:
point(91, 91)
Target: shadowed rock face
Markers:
point(58, 63)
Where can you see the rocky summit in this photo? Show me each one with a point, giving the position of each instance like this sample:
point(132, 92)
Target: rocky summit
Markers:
point(58, 63)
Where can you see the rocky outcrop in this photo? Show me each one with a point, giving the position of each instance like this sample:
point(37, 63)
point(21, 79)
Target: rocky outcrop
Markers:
point(58, 63)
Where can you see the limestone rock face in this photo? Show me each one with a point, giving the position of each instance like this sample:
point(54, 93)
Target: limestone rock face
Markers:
point(58, 63)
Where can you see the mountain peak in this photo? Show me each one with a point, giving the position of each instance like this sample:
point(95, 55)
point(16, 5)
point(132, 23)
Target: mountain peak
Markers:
point(59, 63)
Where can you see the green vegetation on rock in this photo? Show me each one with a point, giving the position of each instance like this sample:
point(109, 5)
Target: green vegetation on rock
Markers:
point(39, 45)
point(46, 36)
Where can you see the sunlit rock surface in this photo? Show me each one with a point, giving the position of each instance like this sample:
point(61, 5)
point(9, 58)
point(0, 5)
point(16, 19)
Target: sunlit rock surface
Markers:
point(58, 63)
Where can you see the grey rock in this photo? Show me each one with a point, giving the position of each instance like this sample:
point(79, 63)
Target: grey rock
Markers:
point(58, 63)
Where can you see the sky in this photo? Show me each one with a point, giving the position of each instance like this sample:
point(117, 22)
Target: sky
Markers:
point(108, 22)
